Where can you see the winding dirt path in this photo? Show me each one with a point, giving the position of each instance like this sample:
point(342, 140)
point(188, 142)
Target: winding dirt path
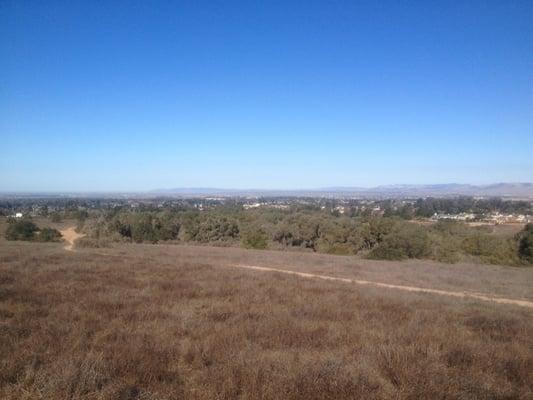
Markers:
point(70, 235)
point(465, 294)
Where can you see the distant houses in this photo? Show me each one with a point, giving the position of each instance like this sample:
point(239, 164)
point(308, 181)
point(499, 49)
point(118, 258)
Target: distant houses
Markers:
point(495, 218)
point(498, 218)
point(456, 217)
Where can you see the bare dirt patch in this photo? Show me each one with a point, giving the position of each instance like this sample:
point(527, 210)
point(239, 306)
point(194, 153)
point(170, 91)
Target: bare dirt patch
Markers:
point(70, 235)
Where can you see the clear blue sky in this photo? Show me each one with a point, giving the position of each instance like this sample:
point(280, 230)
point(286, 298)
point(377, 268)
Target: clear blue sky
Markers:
point(136, 95)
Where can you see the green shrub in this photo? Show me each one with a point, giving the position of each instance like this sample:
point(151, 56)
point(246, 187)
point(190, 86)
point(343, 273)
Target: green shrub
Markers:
point(374, 231)
point(491, 249)
point(212, 228)
point(446, 238)
point(446, 251)
point(143, 227)
point(255, 238)
point(299, 230)
point(27, 230)
point(219, 228)
point(21, 230)
point(406, 241)
point(341, 236)
point(48, 235)
point(525, 244)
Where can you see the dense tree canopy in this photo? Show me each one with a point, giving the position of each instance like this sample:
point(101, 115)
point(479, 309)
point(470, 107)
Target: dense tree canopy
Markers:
point(315, 229)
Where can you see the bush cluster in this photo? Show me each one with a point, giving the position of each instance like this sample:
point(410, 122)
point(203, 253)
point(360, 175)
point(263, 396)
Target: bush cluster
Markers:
point(391, 238)
point(27, 230)
point(525, 244)
point(405, 241)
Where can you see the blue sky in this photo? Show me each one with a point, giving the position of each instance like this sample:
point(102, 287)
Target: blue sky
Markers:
point(112, 95)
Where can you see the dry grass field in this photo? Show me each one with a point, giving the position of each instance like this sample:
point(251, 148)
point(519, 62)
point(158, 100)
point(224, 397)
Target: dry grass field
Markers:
point(178, 322)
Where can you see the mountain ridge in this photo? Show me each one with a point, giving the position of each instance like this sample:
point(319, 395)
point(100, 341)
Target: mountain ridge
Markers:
point(500, 189)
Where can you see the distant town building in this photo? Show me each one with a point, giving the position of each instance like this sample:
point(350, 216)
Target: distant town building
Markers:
point(495, 218)
point(254, 205)
point(456, 217)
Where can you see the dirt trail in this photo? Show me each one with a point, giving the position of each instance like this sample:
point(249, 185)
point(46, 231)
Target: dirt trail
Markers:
point(70, 235)
point(473, 295)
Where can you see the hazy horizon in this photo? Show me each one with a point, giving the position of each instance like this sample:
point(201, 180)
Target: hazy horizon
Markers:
point(444, 188)
point(135, 97)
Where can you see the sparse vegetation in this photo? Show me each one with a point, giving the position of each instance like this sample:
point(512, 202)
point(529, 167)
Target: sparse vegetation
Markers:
point(165, 322)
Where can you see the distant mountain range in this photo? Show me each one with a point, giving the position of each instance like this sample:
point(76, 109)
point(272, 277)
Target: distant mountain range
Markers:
point(506, 190)
point(513, 190)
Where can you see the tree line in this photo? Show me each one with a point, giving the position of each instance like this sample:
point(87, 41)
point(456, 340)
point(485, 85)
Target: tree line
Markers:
point(311, 226)
point(313, 229)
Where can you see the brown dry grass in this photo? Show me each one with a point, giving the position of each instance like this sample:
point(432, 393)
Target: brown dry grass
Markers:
point(503, 281)
point(167, 322)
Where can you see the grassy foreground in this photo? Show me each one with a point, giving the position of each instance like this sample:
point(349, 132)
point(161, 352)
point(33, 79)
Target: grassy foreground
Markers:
point(171, 322)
